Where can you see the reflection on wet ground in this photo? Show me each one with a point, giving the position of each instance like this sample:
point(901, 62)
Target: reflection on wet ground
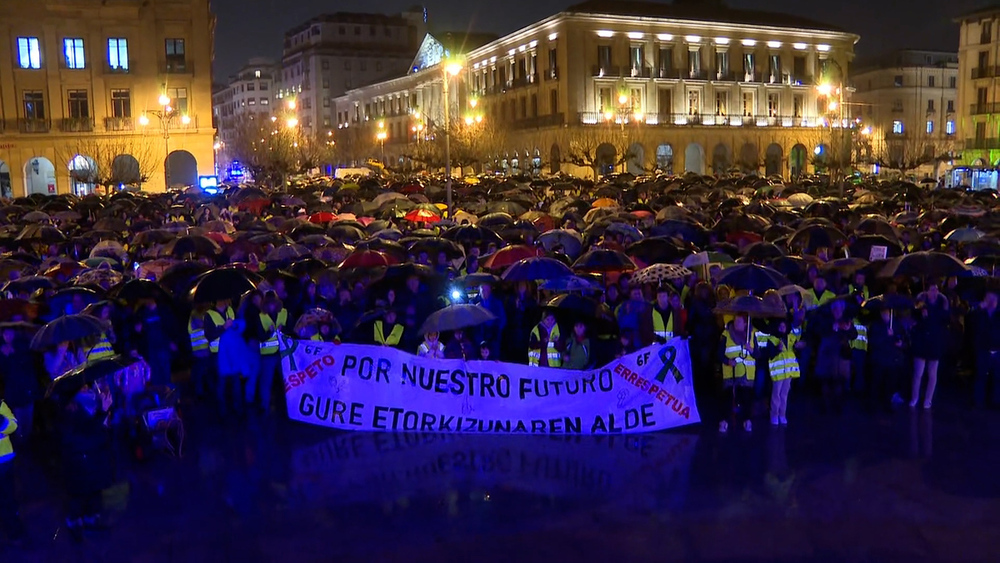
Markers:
point(914, 486)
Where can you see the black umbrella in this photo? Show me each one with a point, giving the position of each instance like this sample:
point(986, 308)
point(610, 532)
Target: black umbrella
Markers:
point(29, 284)
point(136, 290)
point(604, 260)
point(67, 328)
point(434, 246)
point(570, 308)
point(67, 385)
point(752, 277)
point(924, 265)
point(192, 245)
point(178, 278)
point(222, 284)
point(537, 268)
point(761, 251)
point(41, 233)
point(862, 247)
point(456, 317)
point(472, 235)
point(895, 301)
point(810, 239)
point(753, 306)
point(656, 250)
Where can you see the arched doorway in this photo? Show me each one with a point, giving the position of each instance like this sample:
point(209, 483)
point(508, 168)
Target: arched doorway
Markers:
point(636, 160)
point(821, 155)
point(39, 176)
point(182, 169)
point(694, 159)
point(83, 175)
point(536, 163)
point(797, 160)
point(749, 159)
point(665, 158)
point(605, 158)
point(125, 171)
point(555, 159)
point(721, 159)
point(6, 190)
point(772, 160)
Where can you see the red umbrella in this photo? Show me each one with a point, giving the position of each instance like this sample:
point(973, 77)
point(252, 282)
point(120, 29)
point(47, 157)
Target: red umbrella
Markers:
point(322, 217)
point(367, 259)
point(412, 189)
point(510, 255)
point(422, 216)
point(221, 238)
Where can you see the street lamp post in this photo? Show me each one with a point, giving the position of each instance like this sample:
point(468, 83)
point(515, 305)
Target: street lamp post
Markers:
point(450, 70)
point(166, 117)
point(381, 136)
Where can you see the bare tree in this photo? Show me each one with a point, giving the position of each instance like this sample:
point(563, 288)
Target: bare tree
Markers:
point(904, 154)
point(110, 162)
point(354, 145)
point(471, 145)
point(585, 147)
point(272, 152)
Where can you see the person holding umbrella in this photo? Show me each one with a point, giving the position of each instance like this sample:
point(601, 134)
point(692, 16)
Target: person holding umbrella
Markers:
point(739, 368)
point(887, 357)
point(64, 357)
point(929, 339)
point(832, 331)
point(986, 328)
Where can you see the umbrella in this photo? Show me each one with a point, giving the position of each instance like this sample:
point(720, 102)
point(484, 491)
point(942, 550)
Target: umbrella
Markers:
point(221, 284)
point(287, 253)
point(753, 306)
point(570, 241)
point(966, 234)
point(153, 236)
point(505, 257)
point(136, 290)
point(706, 258)
point(659, 273)
point(659, 249)
point(863, 246)
point(29, 284)
point(894, 301)
point(752, 277)
point(62, 301)
point(571, 307)
point(422, 216)
point(924, 265)
point(434, 246)
point(876, 226)
point(496, 220)
point(571, 283)
point(474, 235)
point(322, 217)
point(67, 328)
point(477, 279)
point(192, 245)
point(605, 202)
point(604, 260)
point(812, 238)
point(42, 233)
point(846, 266)
point(760, 251)
point(366, 259)
point(346, 232)
point(536, 268)
point(456, 317)
point(67, 385)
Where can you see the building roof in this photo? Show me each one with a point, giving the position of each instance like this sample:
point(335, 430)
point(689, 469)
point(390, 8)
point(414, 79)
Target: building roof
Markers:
point(706, 11)
point(986, 10)
point(907, 58)
point(349, 18)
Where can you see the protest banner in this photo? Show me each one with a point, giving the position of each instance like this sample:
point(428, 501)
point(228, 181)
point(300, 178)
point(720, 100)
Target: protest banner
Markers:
point(376, 388)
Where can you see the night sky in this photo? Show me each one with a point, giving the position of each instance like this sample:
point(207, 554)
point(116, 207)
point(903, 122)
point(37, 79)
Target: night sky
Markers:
point(249, 28)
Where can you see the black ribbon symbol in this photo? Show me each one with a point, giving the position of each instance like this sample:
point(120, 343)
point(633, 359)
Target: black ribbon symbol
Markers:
point(287, 350)
point(667, 355)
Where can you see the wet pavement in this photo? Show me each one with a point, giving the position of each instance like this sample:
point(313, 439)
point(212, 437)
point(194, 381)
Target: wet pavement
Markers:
point(905, 486)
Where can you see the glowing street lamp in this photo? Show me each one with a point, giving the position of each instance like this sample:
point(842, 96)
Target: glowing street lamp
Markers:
point(166, 117)
point(381, 136)
point(292, 123)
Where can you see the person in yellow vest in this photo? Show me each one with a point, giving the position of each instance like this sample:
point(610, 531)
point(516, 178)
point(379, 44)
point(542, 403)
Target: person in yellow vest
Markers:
point(387, 331)
point(858, 288)
point(202, 364)
point(431, 347)
point(738, 347)
point(663, 313)
point(859, 357)
point(218, 318)
point(102, 348)
point(273, 320)
point(784, 367)
point(10, 521)
point(544, 343)
point(820, 294)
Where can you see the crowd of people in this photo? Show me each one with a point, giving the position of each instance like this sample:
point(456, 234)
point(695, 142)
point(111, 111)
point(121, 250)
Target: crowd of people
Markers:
point(780, 291)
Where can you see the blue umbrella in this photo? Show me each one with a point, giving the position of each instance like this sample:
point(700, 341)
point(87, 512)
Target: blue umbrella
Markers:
point(751, 277)
point(536, 268)
point(570, 241)
point(570, 283)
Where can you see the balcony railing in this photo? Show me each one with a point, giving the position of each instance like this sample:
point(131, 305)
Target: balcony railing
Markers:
point(119, 124)
point(980, 109)
point(606, 70)
point(640, 72)
point(703, 119)
point(34, 125)
point(553, 120)
point(76, 125)
point(985, 72)
point(178, 67)
point(108, 69)
point(983, 143)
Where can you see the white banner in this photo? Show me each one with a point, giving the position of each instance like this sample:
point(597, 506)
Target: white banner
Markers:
point(374, 388)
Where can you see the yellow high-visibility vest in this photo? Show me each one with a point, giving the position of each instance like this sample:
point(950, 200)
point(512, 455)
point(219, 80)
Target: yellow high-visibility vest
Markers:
point(551, 353)
point(218, 320)
point(661, 329)
point(197, 336)
point(394, 336)
point(784, 365)
point(101, 350)
point(746, 365)
point(8, 424)
point(425, 350)
point(270, 346)
point(861, 342)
